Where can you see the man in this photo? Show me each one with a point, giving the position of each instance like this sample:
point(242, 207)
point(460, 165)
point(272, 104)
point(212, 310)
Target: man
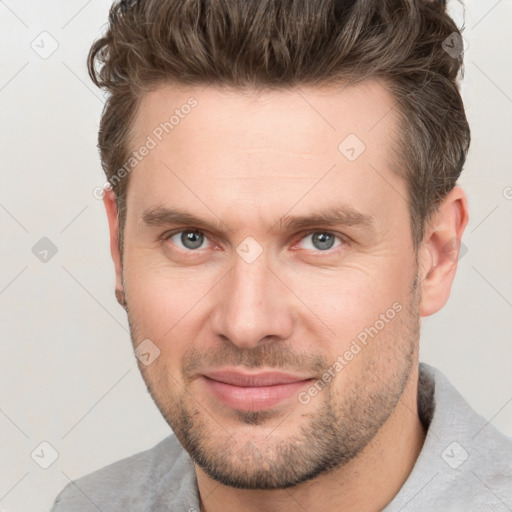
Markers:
point(283, 210)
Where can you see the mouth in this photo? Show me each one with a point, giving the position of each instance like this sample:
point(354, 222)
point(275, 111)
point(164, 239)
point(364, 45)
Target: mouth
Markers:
point(253, 392)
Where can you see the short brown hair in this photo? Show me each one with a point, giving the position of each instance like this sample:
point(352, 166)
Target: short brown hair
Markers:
point(278, 44)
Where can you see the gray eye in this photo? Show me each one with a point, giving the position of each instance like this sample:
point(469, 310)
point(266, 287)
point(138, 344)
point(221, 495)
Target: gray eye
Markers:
point(189, 239)
point(320, 241)
point(323, 240)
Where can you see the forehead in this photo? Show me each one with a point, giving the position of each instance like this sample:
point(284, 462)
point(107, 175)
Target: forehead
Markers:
point(213, 146)
point(247, 117)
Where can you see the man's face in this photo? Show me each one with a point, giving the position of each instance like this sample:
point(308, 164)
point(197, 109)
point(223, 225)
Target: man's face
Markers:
point(245, 289)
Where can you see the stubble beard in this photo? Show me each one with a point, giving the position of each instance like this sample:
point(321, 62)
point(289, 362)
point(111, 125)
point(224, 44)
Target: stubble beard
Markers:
point(330, 435)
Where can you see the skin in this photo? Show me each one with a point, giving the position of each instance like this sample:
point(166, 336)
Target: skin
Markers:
point(248, 160)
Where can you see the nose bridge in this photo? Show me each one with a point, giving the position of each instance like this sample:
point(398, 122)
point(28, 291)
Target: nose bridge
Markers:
point(253, 304)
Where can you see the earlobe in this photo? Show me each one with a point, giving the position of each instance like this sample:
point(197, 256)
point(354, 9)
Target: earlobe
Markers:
point(109, 200)
point(120, 297)
point(441, 249)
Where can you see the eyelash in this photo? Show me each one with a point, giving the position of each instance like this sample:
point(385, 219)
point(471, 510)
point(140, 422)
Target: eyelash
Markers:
point(343, 239)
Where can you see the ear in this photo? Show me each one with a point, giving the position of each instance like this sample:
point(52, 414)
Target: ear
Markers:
point(109, 200)
point(440, 249)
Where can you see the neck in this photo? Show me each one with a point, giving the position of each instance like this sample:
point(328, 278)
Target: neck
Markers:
point(367, 483)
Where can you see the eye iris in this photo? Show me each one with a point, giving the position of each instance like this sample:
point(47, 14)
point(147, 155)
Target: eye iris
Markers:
point(324, 240)
point(191, 239)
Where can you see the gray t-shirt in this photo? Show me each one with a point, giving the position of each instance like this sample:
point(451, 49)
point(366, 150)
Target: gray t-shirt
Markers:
point(465, 465)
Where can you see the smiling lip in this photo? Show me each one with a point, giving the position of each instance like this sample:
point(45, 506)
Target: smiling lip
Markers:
point(253, 392)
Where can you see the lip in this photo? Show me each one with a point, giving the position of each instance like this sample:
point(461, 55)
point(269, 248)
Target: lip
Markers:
point(253, 379)
point(253, 392)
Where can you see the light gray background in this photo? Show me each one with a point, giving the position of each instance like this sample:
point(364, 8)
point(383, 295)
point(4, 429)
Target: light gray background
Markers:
point(67, 372)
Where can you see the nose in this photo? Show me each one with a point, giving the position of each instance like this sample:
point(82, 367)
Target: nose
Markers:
point(253, 305)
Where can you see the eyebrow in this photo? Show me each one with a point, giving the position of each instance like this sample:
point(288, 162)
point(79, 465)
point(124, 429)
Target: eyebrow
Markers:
point(328, 217)
point(334, 216)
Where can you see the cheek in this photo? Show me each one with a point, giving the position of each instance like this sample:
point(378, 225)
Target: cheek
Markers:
point(368, 325)
point(163, 300)
point(349, 299)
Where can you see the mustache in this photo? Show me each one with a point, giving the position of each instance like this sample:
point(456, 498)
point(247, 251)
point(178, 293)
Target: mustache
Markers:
point(273, 355)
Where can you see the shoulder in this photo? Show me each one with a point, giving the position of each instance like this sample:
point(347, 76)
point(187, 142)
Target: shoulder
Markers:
point(162, 475)
point(465, 462)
